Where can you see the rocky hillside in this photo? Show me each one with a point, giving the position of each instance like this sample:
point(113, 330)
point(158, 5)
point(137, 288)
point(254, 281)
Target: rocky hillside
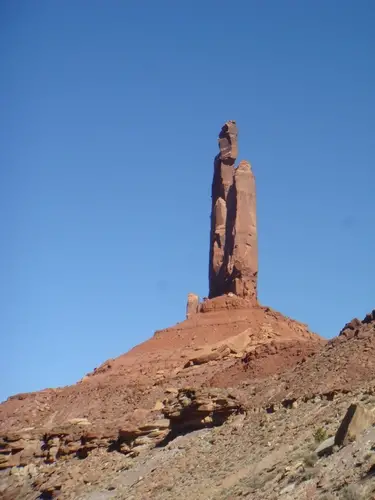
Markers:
point(192, 353)
point(345, 363)
point(209, 445)
point(272, 435)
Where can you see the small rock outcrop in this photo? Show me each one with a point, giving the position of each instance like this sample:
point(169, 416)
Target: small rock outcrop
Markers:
point(197, 408)
point(192, 305)
point(233, 266)
point(357, 328)
point(42, 445)
point(132, 440)
point(235, 346)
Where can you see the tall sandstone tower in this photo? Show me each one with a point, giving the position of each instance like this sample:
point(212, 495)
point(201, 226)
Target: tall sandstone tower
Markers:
point(233, 239)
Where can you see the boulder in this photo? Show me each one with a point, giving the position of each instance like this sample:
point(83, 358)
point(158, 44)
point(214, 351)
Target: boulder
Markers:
point(235, 346)
point(158, 406)
point(209, 354)
point(357, 419)
point(237, 343)
point(326, 447)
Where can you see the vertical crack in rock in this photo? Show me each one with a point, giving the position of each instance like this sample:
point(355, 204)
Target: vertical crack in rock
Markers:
point(233, 263)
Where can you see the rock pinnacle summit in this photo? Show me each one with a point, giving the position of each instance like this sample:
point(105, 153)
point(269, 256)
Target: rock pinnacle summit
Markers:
point(233, 260)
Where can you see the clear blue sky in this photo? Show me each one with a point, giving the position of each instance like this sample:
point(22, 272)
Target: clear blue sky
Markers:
point(109, 119)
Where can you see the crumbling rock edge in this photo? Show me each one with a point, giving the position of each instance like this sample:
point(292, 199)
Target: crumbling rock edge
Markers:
point(186, 410)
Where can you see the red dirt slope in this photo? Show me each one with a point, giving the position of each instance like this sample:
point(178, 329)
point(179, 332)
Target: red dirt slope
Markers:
point(126, 388)
point(345, 364)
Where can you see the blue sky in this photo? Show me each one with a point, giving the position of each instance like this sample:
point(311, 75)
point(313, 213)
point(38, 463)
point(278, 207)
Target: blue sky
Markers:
point(110, 115)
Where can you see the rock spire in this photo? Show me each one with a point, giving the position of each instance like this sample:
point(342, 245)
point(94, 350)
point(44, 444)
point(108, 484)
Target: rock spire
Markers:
point(233, 266)
point(192, 306)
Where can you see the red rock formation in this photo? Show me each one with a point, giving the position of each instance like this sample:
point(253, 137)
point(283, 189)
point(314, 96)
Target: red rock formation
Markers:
point(222, 185)
point(233, 240)
point(192, 306)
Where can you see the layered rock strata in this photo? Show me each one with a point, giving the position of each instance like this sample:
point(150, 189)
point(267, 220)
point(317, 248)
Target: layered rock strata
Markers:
point(197, 408)
point(186, 409)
